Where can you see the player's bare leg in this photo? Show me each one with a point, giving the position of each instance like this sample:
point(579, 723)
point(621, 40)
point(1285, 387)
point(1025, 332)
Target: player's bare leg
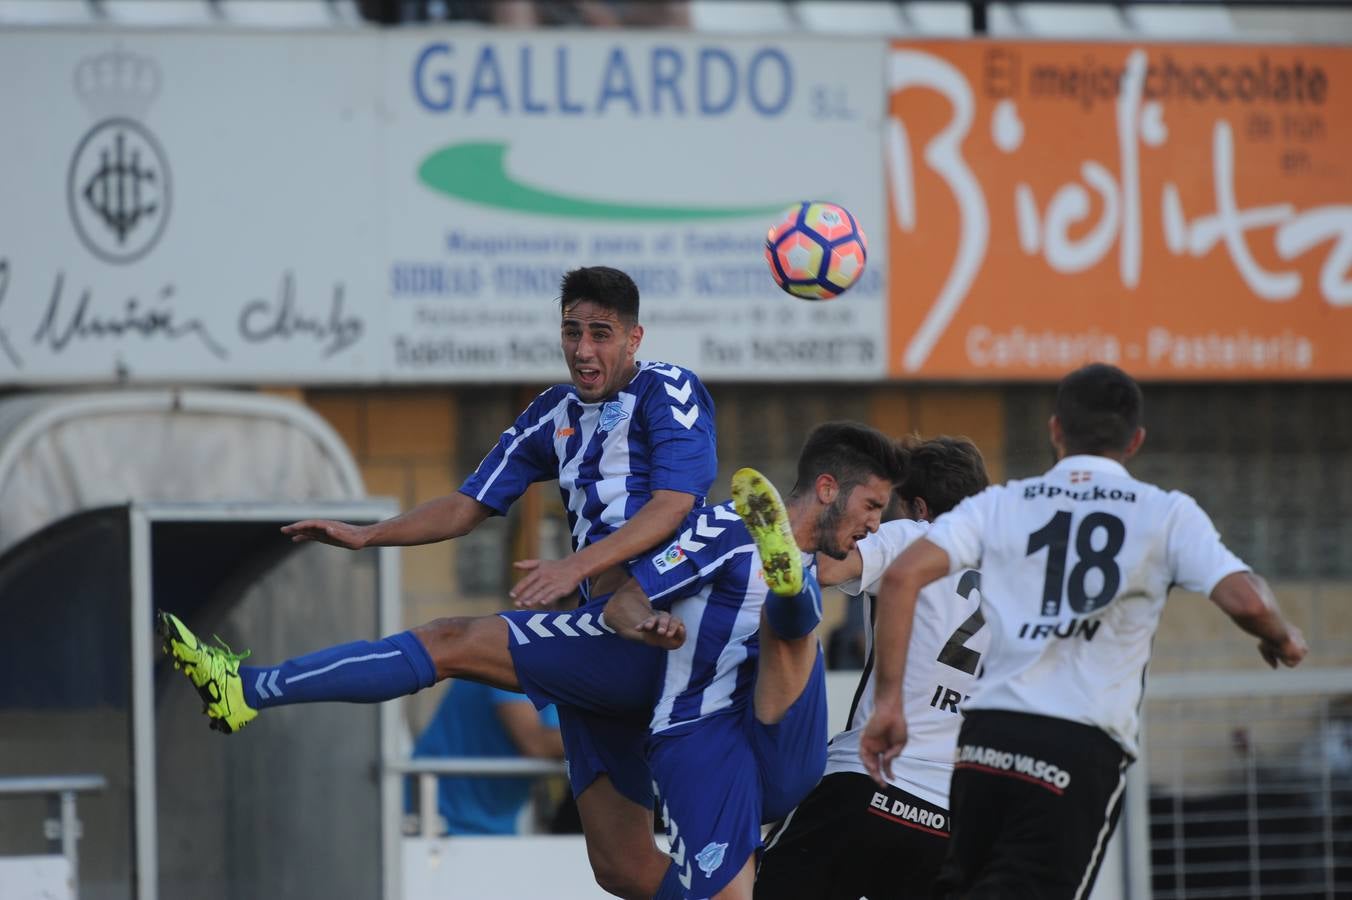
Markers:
point(624, 856)
point(470, 647)
point(782, 671)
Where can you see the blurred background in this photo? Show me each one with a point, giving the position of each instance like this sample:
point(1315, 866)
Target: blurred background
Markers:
point(266, 259)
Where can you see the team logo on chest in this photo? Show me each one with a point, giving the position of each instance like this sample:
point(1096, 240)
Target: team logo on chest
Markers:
point(612, 414)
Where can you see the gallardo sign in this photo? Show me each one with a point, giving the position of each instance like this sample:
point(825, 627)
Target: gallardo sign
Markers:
point(1184, 211)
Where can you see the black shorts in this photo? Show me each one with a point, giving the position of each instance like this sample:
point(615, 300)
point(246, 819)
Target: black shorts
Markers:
point(1034, 802)
point(851, 839)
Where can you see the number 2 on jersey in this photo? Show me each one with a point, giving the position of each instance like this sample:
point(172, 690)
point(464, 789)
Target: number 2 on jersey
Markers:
point(1055, 536)
point(956, 653)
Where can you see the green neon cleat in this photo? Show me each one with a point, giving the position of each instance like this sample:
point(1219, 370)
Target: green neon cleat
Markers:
point(214, 671)
point(760, 507)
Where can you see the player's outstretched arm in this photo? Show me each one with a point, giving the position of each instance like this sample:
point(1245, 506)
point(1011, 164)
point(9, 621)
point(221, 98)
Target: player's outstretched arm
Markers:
point(436, 520)
point(1246, 598)
point(885, 734)
point(631, 615)
point(549, 580)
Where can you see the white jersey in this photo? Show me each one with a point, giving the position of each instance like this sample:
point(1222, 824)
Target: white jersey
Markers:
point(947, 642)
point(1076, 567)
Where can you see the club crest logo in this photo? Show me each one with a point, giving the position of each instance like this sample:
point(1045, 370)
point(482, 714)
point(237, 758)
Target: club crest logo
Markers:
point(118, 187)
point(612, 414)
point(711, 857)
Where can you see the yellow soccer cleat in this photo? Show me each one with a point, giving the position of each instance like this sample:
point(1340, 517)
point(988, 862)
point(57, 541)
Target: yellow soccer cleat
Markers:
point(214, 671)
point(759, 505)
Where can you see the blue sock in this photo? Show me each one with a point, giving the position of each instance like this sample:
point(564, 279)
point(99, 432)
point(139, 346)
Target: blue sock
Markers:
point(359, 672)
point(670, 888)
point(796, 616)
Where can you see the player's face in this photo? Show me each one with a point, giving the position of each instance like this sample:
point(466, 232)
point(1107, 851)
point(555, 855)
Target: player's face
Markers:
point(852, 517)
point(599, 349)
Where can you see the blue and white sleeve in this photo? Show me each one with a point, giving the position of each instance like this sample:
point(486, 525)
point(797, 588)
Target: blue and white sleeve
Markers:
point(523, 455)
point(680, 422)
point(692, 559)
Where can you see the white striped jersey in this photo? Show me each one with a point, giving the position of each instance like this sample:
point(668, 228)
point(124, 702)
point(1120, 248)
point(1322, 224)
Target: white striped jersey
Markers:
point(710, 576)
point(947, 642)
point(1076, 565)
point(657, 433)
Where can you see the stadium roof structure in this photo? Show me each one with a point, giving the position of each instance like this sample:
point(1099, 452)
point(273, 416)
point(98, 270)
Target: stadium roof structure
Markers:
point(61, 452)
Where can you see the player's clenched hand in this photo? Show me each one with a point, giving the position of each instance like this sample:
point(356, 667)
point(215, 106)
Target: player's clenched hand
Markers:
point(883, 738)
point(327, 531)
point(547, 580)
point(662, 629)
point(1288, 652)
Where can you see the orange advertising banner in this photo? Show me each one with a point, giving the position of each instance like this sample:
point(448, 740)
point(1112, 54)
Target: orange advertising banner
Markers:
point(1181, 210)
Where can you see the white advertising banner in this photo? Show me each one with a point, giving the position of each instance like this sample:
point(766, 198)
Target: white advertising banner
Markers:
point(223, 207)
point(190, 207)
point(513, 158)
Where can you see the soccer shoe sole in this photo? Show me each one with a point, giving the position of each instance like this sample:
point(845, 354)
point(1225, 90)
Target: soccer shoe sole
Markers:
point(759, 505)
point(172, 631)
point(174, 634)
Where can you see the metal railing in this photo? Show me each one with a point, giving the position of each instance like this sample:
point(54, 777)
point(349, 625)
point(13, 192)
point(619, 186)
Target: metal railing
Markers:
point(1245, 787)
point(427, 769)
point(63, 828)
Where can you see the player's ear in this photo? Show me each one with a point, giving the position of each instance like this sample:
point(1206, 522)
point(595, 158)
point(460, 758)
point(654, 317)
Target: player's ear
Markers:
point(635, 338)
point(827, 489)
point(1056, 435)
point(1134, 445)
point(921, 510)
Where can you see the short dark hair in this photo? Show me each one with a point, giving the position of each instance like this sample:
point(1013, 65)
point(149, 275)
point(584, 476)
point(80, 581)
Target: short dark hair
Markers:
point(850, 453)
point(606, 287)
point(942, 471)
point(1099, 407)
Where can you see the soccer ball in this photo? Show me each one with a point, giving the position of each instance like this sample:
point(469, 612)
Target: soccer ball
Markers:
point(816, 250)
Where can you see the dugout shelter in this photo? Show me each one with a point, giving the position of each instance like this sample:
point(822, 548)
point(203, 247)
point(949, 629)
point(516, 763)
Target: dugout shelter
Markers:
point(115, 503)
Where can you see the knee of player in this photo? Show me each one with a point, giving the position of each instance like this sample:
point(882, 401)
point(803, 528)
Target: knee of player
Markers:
point(620, 877)
point(450, 642)
point(626, 865)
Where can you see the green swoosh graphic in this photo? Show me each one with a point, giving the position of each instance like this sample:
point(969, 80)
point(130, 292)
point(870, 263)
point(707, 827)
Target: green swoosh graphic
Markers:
point(477, 172)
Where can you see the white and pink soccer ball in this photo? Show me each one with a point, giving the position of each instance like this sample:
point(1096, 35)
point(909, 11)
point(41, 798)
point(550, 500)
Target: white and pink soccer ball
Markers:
point(816, 250)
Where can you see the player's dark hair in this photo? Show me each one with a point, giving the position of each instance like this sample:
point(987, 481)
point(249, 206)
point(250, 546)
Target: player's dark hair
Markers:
point(942, 471)
point(1099, 408)
point(849, 452)
point(606, 287)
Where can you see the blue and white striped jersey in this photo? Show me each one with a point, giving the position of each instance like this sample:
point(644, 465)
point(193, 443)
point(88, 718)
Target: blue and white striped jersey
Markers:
point(710, 576)
point(657, 433)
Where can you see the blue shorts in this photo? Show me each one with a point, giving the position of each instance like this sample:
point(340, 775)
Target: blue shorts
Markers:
point(603, 685)
point(720, 778)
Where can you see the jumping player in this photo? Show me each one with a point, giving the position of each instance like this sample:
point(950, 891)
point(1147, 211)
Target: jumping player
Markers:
point(632, 445)
point(852, 838)
point(739, 731)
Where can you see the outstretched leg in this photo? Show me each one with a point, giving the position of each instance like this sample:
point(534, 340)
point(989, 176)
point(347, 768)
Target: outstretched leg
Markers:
point(356, 672)
point(793, 606)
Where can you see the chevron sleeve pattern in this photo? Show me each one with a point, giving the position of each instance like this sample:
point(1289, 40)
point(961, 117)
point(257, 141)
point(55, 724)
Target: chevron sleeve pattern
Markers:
point(691, 561)
point(679, 416)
